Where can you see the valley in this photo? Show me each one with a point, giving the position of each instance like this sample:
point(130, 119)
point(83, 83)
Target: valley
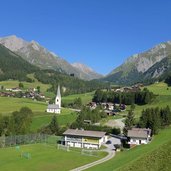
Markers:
point(85, 85)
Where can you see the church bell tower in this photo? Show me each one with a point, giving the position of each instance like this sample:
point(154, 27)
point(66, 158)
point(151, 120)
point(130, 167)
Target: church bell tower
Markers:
point(58, 97)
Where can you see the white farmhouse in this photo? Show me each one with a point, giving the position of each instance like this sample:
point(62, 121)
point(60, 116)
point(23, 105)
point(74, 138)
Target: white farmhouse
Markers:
point(138, 136)
point(84, 138)
point(55, 108)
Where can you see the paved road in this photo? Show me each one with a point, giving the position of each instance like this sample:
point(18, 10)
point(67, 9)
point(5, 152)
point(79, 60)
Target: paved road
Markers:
point(111, 154)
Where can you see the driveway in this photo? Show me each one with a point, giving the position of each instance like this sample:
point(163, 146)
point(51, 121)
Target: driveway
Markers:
point(111, 154)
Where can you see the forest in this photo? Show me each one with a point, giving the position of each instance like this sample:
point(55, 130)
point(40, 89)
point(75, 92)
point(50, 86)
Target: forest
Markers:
point(128, 98)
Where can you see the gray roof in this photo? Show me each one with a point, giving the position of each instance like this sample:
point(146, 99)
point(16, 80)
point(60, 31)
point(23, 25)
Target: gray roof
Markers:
point(139, 132)
point(84, 133)
point(53, 106)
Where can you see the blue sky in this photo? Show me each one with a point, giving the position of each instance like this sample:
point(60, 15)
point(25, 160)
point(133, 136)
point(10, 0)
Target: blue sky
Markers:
point(98, 33)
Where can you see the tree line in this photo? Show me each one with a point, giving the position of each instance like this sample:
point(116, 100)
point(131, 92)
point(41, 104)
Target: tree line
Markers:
point(153, 118)
point(128, 98)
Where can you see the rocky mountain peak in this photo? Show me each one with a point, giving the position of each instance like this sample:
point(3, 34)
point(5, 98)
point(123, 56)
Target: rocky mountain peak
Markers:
point(13, 42)
point(36, 54)
point(149, 64)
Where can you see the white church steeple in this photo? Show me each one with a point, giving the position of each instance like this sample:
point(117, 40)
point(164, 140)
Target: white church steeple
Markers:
point(58, 97)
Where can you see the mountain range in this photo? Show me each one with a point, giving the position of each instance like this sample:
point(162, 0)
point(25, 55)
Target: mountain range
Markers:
point(149, 66)
point(14, 67)
point(43, 58)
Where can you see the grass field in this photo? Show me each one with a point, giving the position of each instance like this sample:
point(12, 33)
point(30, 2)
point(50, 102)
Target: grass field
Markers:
point(43, 158)
point(122, 160)
point(86, 97)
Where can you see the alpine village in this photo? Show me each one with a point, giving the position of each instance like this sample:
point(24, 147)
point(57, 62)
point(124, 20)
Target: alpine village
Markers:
point(57, 115)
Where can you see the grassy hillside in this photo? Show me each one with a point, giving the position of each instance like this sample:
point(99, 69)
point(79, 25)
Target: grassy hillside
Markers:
point(156, 160)
point(124, 159)
point(40, 118)
point(8, 105)
point(14, 83)
point(43, 158)
point(160, 88)
point(86, 97)
point(162, 99)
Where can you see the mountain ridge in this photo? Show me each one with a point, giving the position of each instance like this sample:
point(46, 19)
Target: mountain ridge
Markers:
point(36, 54)
point(139, 67)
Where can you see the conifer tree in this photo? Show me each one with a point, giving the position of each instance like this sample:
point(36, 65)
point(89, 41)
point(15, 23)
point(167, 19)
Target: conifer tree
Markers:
point(54, 126)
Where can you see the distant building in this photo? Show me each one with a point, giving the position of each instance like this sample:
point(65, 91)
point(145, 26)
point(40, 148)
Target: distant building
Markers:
point(55, 108)
point(84, 139)
point(15, 89)
point(138, 136)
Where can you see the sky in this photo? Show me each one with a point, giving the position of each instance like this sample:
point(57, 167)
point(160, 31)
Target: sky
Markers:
point(98, 33)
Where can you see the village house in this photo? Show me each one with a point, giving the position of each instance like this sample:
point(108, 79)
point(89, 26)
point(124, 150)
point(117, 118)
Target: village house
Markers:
point(132, 89)
point(109, 106)
point(84, 139)
point(92, 105)
point(138, 136)
point(16, 89)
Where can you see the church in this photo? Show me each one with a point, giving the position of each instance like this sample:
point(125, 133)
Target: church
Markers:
point(55, 108)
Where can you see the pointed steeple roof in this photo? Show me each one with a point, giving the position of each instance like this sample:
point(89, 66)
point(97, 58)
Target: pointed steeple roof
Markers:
point(58, 91)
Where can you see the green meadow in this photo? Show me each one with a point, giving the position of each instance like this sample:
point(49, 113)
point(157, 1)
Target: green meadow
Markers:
point(45, 118)
point(9, 104)
point(43, 158)
point(86, 97)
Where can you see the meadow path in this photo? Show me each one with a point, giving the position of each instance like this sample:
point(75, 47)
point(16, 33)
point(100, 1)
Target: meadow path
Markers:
point(111, 154)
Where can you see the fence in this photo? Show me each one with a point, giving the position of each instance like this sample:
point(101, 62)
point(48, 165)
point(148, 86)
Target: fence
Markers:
point(8, 141)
